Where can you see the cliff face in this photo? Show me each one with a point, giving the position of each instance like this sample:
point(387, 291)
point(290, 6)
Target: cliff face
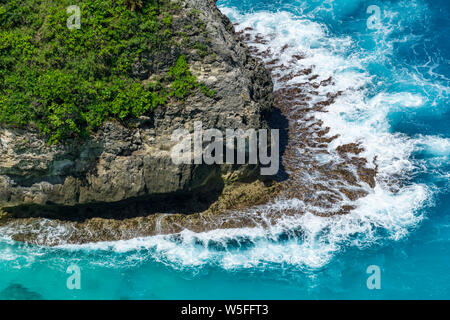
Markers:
point(118, 163)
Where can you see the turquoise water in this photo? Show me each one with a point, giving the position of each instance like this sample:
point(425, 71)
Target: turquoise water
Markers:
point(397, 79)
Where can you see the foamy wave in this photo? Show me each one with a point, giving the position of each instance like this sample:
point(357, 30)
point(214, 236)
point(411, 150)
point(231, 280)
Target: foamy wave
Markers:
point(434, 145)
point(301, 241)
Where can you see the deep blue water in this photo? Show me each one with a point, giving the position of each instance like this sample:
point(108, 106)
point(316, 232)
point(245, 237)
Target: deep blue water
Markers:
point(405, 70)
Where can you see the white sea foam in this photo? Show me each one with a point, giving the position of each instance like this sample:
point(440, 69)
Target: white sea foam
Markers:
point(434, 145)
point(313, 247)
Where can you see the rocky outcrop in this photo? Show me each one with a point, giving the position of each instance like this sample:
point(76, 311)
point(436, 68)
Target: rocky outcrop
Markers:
point(121, 184)
point(125, 162)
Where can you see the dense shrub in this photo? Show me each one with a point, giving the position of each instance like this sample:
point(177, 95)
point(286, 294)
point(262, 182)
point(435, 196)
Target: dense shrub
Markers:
point(68, 82)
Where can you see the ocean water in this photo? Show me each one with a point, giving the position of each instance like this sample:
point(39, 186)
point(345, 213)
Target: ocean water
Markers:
point(396, 82)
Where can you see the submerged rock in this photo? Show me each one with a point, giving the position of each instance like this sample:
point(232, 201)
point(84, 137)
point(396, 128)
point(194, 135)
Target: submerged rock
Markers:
point(16, 291)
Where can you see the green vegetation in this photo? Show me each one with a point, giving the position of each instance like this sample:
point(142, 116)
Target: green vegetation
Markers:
point(68, 82)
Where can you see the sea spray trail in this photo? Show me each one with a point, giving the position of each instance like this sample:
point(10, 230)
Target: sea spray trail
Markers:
point(320, 257)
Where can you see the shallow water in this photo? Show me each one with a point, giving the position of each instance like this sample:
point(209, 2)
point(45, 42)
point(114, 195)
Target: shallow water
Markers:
point(395, 81)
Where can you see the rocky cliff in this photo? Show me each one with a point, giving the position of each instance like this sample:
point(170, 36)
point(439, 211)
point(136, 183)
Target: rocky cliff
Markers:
point(122, 162)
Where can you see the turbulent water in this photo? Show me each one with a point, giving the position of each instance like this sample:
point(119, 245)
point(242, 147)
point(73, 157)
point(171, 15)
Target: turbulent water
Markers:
point(388, 86)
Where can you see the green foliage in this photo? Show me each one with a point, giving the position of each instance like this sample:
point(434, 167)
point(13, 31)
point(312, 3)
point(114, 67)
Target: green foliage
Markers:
point(68, 82)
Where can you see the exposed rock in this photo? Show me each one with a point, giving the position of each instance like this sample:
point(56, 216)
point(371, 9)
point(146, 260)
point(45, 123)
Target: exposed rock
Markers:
point(118, 162)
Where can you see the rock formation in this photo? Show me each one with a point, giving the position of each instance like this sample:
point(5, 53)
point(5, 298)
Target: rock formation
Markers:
point(125, 162)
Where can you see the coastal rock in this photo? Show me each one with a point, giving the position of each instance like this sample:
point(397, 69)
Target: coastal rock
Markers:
point(125, 162)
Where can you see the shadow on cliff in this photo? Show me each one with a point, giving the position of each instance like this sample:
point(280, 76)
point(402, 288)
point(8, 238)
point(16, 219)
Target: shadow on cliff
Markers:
point(279, 121)
point(172, 203)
